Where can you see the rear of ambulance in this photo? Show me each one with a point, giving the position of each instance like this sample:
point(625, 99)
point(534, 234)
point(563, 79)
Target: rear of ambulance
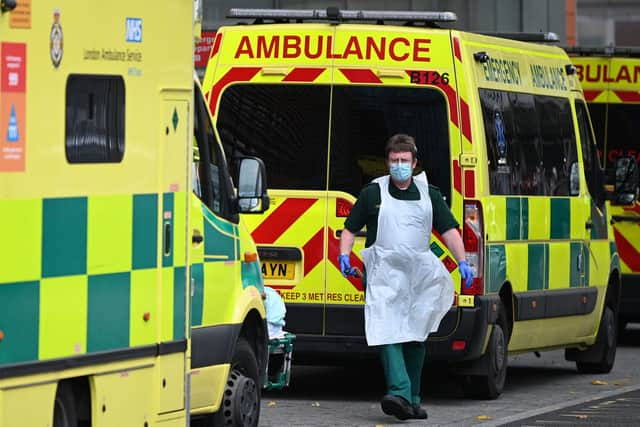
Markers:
point(317, 102)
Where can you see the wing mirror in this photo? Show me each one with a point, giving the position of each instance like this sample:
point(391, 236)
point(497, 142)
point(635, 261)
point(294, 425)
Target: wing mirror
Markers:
point(252, 186)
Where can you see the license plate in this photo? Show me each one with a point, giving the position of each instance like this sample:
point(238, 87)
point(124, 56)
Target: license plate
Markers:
point(278, 270)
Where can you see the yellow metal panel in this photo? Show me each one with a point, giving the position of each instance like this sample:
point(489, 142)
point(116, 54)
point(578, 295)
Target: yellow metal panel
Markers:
point(207, 385)
point(166, 305)
point(143, 300)
point(579, 214)
point(539, 218)
point(21, 236)
point(219, 285)
point(599, 262)
point(559, 265)
point(495, 214)
point(63, 316)
point(172, 372)
point(109, 234)
point(517, 260)
point(113, 407)
point(18, 404)
point(182, 235)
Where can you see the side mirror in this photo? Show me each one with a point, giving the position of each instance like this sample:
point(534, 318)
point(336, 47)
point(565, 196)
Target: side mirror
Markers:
point(252, 186)
point(626, 185)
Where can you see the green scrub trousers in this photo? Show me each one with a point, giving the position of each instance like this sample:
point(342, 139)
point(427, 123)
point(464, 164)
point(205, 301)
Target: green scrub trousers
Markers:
point(402, 365)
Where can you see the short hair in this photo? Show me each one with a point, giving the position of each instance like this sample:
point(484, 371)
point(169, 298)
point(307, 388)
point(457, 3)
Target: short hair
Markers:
point(401, 142)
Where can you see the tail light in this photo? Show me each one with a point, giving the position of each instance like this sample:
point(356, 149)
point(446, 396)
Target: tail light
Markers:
point(343, 207)
point(472, 232)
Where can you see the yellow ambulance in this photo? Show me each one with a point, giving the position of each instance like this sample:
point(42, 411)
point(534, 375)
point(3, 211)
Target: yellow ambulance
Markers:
point(120, 226)
point(502, 130)
point(610, 77)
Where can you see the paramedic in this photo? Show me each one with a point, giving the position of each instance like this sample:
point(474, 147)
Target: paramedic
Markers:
point(408, 289)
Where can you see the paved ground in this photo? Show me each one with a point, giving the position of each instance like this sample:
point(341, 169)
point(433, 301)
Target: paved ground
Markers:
point(328, 396)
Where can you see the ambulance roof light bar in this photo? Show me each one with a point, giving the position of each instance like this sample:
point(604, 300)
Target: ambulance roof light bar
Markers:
point(339, 15)
point(548, 37)
point(626, 51)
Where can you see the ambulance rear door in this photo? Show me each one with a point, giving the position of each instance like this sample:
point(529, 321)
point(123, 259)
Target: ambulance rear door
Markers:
point(387, 80)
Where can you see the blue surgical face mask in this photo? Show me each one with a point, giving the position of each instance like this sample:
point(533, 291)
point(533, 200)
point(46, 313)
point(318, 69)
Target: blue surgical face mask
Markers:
point(400, 171)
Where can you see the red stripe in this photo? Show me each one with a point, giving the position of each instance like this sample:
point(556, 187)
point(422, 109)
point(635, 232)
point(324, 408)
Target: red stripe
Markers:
point(590, 95)
point(360, 76)
point(456, 48)
point(216, 45)
point(466, 122)
point(627, 252)
point(457, 177)
point(628, 96)
point(334, 252)
point(469, 183)
point(281, 286)
point(453, 104)
point(313, 251)
point(281, 219)
point(303, 74)
point(236, 74)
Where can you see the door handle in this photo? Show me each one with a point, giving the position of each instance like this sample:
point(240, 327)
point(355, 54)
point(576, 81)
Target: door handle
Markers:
point(197, 237)
point(588, 225)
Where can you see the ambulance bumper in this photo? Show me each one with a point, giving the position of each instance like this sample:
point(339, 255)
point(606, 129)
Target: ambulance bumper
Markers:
point(467, 340)
point(461, 324)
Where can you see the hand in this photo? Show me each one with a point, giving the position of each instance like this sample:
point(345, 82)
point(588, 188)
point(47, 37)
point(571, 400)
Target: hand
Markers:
point(345, 265)
point(466, 273)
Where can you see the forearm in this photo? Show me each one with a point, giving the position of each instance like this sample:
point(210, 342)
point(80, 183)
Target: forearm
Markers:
point(453, 241)
point(346, 241)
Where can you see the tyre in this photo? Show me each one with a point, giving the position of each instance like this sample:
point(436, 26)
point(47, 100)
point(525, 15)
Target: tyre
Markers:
point(64, 408)
point(490, 386)
point(604, 349)
point(241, 400)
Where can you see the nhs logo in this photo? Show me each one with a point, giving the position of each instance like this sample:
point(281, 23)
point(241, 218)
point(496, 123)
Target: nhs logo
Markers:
point(134, 30)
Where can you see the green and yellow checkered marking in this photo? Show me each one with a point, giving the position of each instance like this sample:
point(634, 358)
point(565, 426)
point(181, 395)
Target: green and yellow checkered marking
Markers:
point(79, 273)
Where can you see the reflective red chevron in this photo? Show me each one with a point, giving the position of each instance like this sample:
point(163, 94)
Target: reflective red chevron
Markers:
point(217, 39)
point(628, 96)
point(457, 176)
point(236, 74)
point(314, 252)
point(456, 48)
point(590, 95)
point(453, 107)
point(281, 219)
point(627, 252)
point(360, 75)
point(303, 74)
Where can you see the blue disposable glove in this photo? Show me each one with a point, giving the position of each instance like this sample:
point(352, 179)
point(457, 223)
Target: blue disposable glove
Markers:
point(466, 273)
point(345, 265)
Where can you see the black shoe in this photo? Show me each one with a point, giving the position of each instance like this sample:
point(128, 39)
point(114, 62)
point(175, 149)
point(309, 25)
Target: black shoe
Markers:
point(397, 406)
point(418, 412)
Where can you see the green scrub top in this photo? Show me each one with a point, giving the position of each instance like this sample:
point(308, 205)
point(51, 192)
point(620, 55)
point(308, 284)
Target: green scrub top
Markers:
point(365, 211)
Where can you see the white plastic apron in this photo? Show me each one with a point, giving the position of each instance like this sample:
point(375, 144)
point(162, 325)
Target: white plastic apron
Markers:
point(408, 288)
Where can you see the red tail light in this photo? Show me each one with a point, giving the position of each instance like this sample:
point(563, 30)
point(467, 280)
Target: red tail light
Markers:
point(472, 237)
point(343, 207)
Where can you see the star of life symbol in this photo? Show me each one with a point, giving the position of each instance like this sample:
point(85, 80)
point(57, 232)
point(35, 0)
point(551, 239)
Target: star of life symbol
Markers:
point(55, 43)
point(12, 130)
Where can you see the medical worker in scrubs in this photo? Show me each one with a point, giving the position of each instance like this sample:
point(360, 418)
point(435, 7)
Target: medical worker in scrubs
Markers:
point(408, 289)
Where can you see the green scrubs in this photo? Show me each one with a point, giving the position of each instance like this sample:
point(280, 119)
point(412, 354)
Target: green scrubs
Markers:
point(402, 362)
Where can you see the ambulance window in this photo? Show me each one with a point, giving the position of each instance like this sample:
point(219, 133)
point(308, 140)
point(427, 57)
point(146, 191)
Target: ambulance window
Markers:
point(95, 115)
point(363, 118)
point(593, 173)
point(623, 131)
point(211, 182)
point(598, 114)
point(285, 125)
point(530, 143)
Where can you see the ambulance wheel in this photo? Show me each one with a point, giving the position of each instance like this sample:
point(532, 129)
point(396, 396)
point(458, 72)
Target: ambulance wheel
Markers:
point(605, 345)
point(64, 408)
point(490, 386)
point(241, 400)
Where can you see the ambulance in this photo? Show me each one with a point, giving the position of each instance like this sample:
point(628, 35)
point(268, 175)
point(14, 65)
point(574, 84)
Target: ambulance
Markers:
point(130, 291)
point(610, 77)
point(502, 130)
